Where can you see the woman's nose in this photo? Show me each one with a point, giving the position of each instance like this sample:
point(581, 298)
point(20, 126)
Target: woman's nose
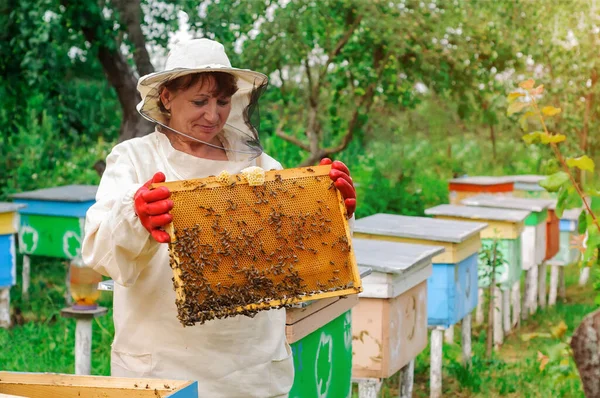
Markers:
point(211, 115)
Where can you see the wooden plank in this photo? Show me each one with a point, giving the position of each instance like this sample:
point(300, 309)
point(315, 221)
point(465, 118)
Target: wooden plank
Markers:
point(495, 229)
point(49, 385)
point(381, 285)
point(319, 319)
point(424, 228)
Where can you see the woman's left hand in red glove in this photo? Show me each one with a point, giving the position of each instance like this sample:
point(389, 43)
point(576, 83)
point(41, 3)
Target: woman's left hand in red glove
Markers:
point(340, 175)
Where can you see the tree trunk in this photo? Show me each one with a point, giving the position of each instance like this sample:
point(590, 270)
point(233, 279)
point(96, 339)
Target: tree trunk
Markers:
point(119, 74)
point(131, 12)
point(586, 352)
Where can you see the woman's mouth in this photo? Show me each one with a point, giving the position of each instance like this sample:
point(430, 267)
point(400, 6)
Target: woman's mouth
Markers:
point(209, 129)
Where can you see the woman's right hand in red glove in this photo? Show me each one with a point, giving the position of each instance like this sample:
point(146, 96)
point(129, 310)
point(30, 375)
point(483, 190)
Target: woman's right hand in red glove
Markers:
point(153, 206)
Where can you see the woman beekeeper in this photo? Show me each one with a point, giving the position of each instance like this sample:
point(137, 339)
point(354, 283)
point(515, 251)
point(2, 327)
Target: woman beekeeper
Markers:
point(203, 109)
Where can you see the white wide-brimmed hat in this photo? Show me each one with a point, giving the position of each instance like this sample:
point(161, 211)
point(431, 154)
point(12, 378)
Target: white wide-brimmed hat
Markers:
point(204, 55)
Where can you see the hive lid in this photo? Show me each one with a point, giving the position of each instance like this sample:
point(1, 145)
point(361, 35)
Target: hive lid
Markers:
point(481, 180)
point(393, 257)
point(8, 207)
point(364, 271)
point(478, 213)
point(509, 202)
point(67, 193)
point(418, 228)
point(571, 214)
point(528, 178)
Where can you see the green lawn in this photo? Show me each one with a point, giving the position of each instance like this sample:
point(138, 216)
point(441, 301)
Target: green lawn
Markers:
point(43, 341)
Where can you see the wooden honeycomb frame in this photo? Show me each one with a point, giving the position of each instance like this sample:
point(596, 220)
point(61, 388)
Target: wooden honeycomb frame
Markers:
point(239, 249)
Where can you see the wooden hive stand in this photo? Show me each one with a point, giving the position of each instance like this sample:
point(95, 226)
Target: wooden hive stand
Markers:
point(390, 321)
point(505, 226)
point(452, 289)
point(465, 187)
point(52, 225)
point(320, 334)
point(9, 225)
point(533, 243)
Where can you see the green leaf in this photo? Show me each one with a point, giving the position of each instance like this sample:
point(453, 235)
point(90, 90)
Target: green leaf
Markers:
point(563, 194)
point(550, 111)
point(597, 299)
point(527, 84)
point(582, 223)
point(533, 138)
point(517, 107)
point(552, 138)
point(513, 96)
point(592, 243)
point(582, 162)
point(555, 181)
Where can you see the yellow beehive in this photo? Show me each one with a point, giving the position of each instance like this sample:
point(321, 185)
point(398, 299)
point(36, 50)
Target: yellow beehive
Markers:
point(238, 248)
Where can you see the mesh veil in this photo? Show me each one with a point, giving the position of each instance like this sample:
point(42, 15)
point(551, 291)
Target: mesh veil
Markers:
point(239, 137)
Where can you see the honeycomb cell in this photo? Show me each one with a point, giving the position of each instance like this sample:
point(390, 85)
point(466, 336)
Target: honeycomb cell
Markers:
point(240, 249)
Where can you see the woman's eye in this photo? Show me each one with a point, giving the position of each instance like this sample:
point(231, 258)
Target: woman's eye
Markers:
point(223, 102)
point(200, 103)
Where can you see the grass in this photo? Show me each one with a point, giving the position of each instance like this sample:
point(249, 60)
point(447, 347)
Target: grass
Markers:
point(513, 371)
point(42, 341)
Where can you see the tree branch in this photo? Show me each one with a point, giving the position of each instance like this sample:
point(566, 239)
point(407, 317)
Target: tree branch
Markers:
point(291, 139)
point(366, 103)
point(340, 45)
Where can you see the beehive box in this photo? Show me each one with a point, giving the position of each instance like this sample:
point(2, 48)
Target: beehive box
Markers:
point(528, 186)
point(568, 252)
point(238, 249)
point(320, 334)
point(552, 234)
point(50, 385)
point(452, 289)
point(52, 222)
point(505, 226)
point(465, 187)
point(533, 238)
point(9, 225)
point(389, 324)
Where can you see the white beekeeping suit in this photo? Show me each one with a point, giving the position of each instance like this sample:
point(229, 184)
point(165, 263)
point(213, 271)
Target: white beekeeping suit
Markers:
point(233, 357)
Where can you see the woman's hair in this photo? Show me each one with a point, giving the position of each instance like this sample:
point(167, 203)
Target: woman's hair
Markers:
point(225, 84)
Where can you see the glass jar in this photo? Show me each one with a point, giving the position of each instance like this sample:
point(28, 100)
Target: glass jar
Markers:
point(84, 286)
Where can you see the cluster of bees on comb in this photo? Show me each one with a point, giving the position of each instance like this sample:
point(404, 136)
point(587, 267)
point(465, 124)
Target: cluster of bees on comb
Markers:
point(246, 243)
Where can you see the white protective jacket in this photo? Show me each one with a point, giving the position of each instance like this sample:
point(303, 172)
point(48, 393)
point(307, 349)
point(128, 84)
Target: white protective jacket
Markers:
point(234, 357)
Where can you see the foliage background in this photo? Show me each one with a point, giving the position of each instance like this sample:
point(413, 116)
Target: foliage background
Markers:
point(408, 93)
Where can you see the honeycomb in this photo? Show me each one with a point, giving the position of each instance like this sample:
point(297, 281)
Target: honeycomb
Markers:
point(239, 249)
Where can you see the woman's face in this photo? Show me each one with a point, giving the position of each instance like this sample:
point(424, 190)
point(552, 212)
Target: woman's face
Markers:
point(196, 111)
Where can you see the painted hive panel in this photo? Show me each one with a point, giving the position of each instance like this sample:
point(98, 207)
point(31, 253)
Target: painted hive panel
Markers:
point(238, 249)
point(323, 361)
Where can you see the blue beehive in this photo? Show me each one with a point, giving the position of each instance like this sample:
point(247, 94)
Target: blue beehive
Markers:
point(9, 221)
point(452, 289)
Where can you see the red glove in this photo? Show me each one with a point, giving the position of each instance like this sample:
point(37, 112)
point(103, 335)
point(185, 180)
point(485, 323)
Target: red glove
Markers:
point(340, 175)
point(152, 208)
